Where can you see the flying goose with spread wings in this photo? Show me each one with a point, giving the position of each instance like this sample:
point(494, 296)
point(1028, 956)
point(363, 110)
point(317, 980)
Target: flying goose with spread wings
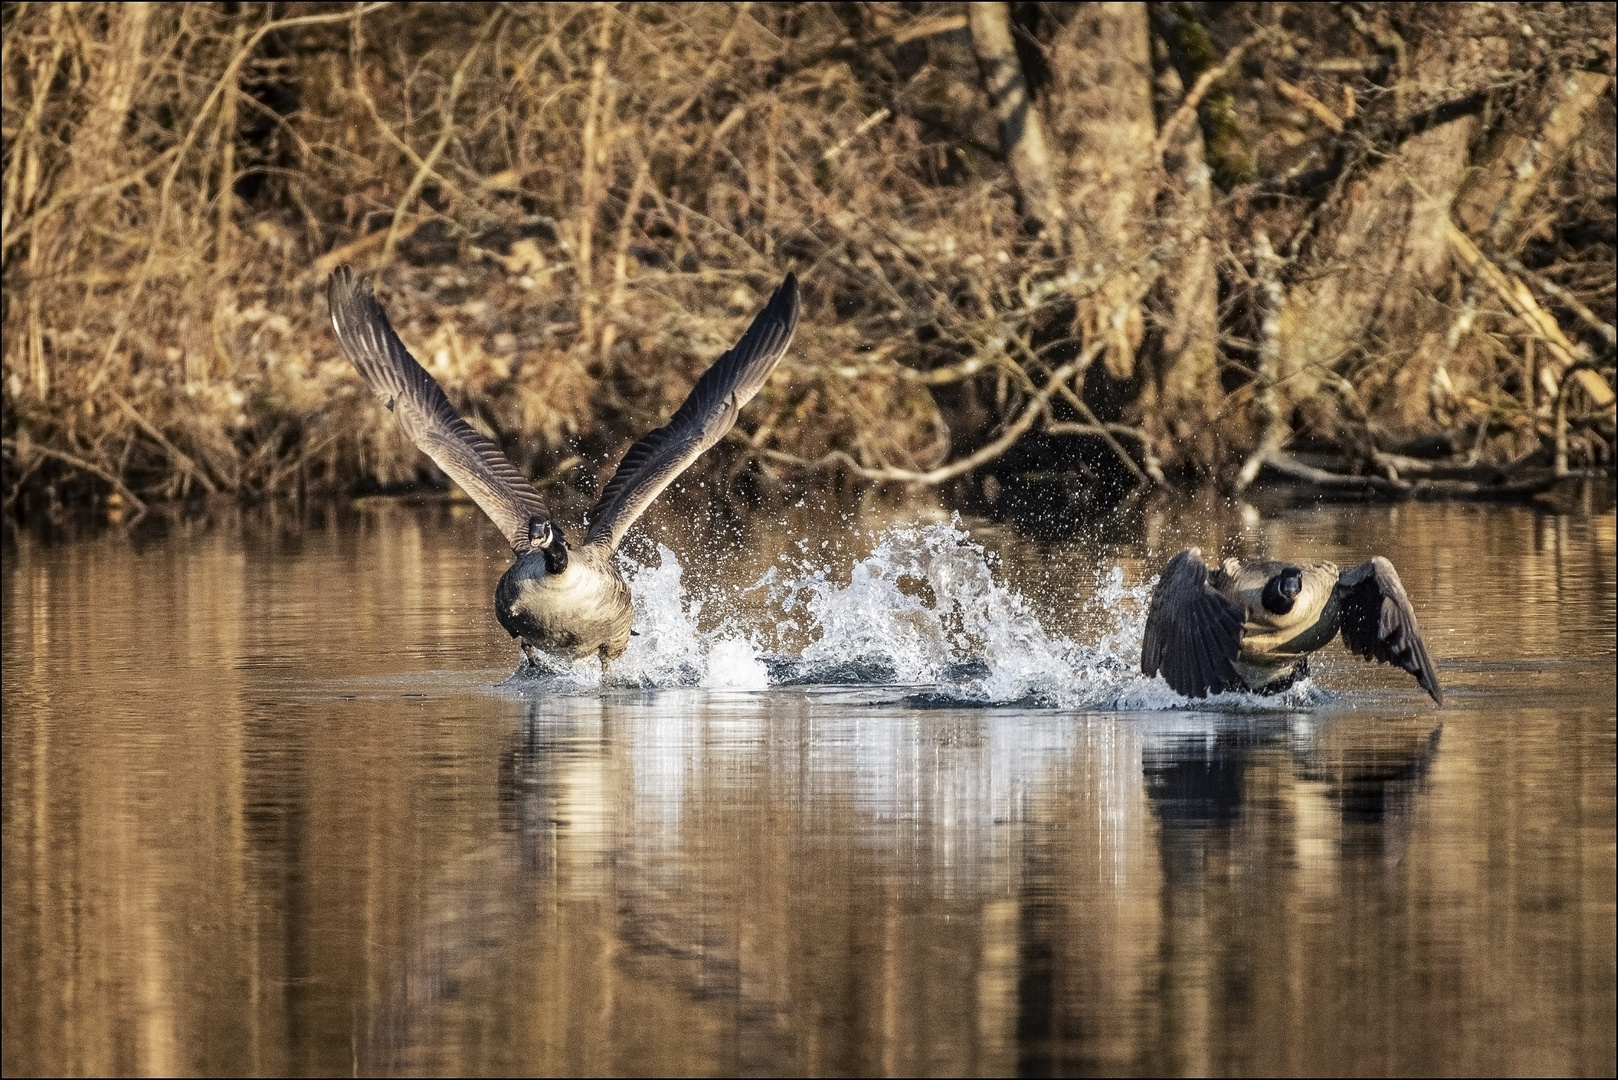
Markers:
point(1251, 625)
point(570, 602)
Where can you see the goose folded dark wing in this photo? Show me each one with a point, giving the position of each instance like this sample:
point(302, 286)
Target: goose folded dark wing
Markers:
point(424, 412)
point(1378, 622)
point(708, 412)
point(1193, 634)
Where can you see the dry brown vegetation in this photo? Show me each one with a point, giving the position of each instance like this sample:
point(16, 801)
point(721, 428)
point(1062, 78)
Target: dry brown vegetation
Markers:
point(1368, 246)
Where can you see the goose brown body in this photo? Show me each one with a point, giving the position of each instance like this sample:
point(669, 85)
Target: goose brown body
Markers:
point(570, 602)
point(584, 610)
point(1251, 625)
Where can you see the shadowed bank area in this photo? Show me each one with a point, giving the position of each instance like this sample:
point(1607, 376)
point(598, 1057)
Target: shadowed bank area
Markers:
point(875, 790)
point(1051, 254)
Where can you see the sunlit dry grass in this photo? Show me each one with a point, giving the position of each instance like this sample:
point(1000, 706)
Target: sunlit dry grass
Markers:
point(571, 210)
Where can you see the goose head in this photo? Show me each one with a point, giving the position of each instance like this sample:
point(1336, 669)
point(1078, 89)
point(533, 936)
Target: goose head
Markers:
point(1281, 591)
point(546, 538)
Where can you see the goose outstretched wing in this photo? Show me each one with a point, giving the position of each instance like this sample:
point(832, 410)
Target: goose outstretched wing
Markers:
point(653, 462)
point(1193, 633)
point(425, 413)
point(1378, 622)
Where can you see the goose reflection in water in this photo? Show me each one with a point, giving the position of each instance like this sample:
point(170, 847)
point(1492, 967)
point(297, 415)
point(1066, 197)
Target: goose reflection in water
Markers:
point(1258, 824)
point(663, 871)
point(562, 896)
point(1352, 780)
point(1367, 769)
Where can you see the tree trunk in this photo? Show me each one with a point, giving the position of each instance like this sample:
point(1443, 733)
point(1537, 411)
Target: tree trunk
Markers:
point(1381, 253)
point(1101, 108)
point(1022, 133)
point(95, 144)
point(1181, 396)
point(1515, 165)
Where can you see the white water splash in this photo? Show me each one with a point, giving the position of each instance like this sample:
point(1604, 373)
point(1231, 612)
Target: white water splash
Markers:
point(734, 663)
point(923, 611)
point(667, 649)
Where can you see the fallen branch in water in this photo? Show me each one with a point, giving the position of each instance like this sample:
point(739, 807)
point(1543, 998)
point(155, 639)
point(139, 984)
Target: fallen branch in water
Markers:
point(78, 463)
point(1435, 490)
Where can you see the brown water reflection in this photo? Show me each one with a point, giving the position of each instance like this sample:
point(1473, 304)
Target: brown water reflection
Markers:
point(264, 812)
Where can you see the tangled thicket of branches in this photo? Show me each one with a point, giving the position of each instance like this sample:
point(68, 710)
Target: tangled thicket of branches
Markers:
point(1140, 244)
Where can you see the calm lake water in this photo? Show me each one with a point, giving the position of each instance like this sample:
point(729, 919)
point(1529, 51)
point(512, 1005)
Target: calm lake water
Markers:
point(872, 792)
